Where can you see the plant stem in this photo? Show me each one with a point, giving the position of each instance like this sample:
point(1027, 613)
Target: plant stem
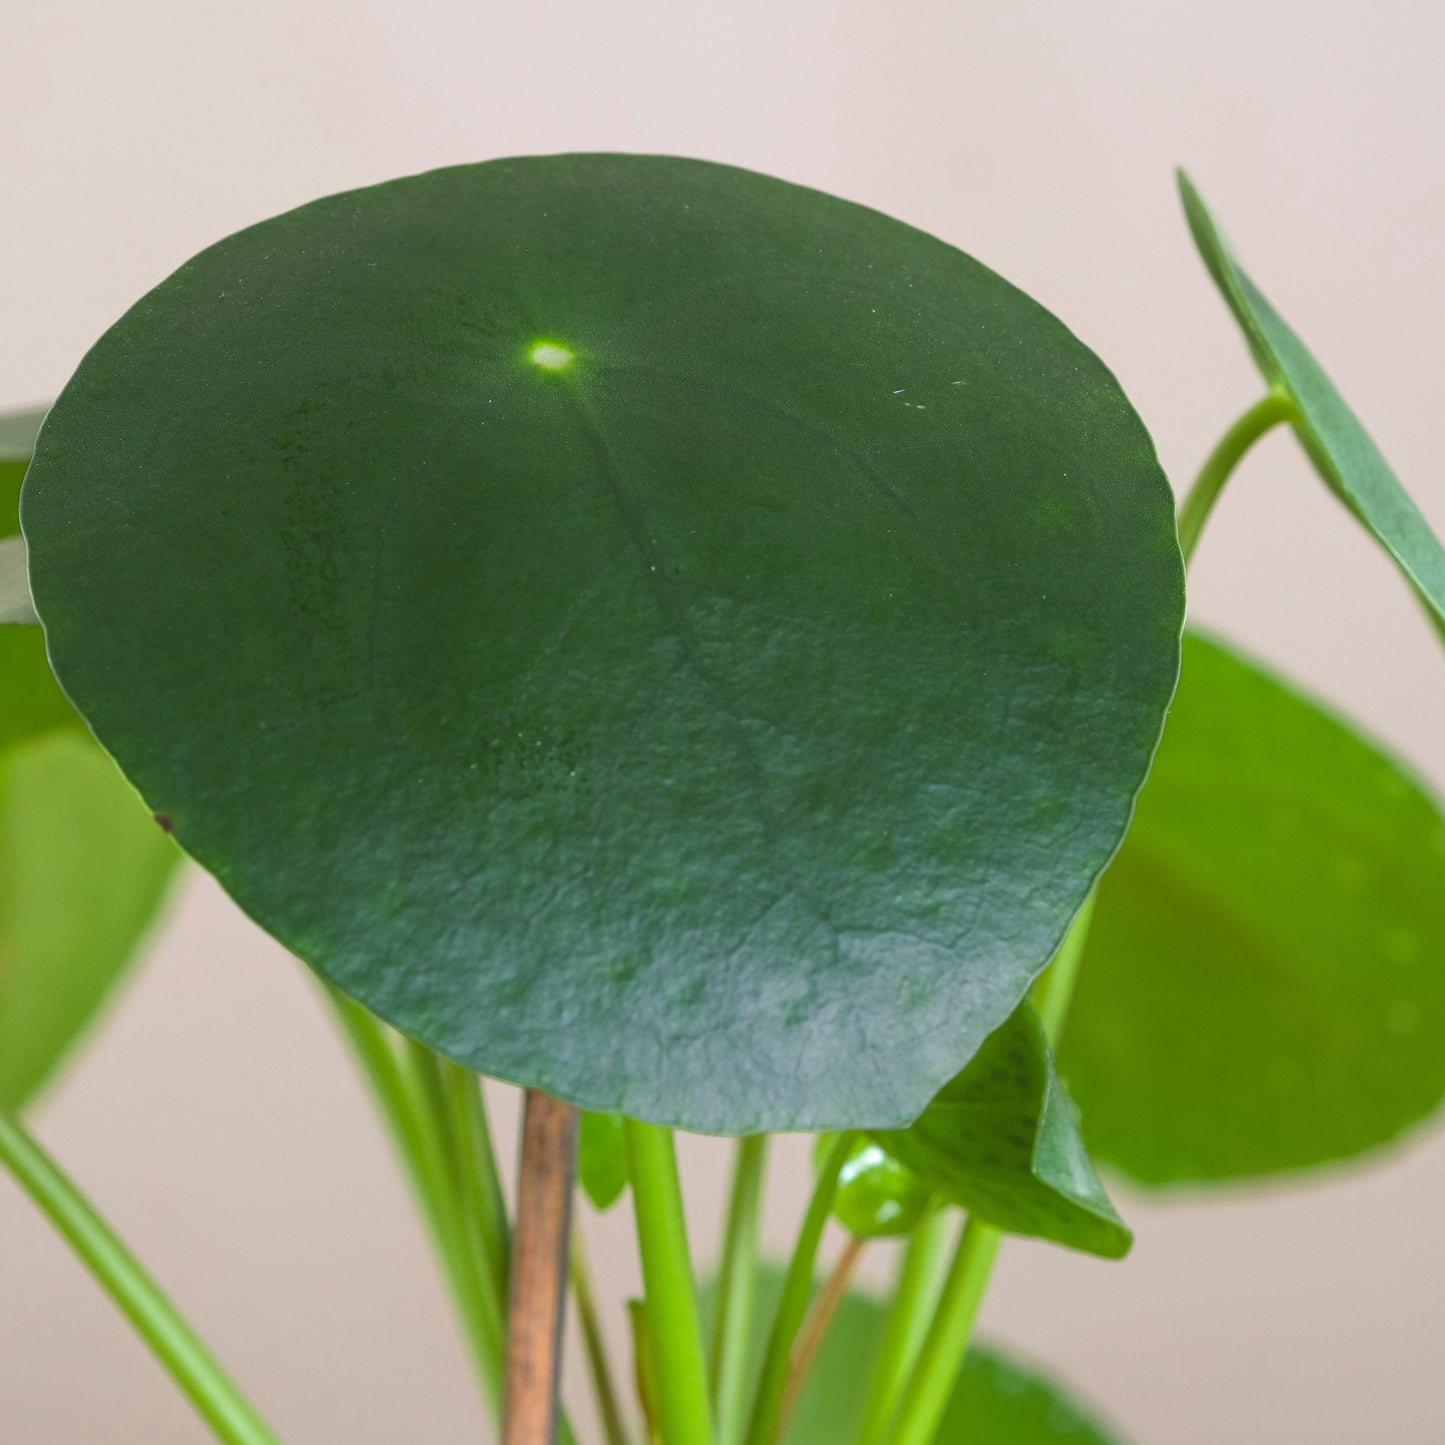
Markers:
point(924, 1396)
point(680, 1374)
point(793, 1304)
point(539, 1270)
point(1054, 991)
point(189, 1362)
point(737, 1289)
point(1271, 409)
point(643, 1369)
point(486, 1206)
point(595, 1345)
point(946, 1343)
point(815, 1327)
point(398, 1070)
point(913, 1297)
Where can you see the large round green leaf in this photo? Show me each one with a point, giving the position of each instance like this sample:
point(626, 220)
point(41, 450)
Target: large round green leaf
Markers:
point(996, 1400)
point(1264, 982)
point(1343, 452)
point(655, 633)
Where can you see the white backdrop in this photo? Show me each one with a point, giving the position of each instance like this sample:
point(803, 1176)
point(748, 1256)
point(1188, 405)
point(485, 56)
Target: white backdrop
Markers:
point(217, 1120)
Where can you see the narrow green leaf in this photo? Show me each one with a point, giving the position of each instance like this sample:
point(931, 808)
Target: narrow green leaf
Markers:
point(602, 1159)
point(1343, 453)
point(1002, 1140)
point(997, 1401)
point(1264, 983)
point(654, 633)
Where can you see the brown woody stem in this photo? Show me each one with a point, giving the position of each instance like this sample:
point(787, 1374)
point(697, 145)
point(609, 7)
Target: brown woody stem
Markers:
point(539, 1270)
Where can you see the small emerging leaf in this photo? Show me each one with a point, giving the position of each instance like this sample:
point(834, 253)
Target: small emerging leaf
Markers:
point(876, 1196)
point(1342, 451)
point(1002, 1140)
point(1263, 986)
point(602, 1159)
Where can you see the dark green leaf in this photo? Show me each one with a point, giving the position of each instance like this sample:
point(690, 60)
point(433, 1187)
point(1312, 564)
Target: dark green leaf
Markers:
point(1342, 451)
point(876, 1195)
point(602, 1159)
point(1264, 982)
point(995, 1402)
point(1002, 1139)
point(655, 633)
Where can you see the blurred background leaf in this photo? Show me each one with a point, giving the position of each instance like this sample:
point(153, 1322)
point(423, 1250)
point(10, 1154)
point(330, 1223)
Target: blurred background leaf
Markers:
point(1264, 983)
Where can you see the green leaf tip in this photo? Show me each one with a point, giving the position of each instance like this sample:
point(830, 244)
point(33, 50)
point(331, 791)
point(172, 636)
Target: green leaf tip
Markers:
point(602, 1159)
point(1002, 1140)
point(1342, 452)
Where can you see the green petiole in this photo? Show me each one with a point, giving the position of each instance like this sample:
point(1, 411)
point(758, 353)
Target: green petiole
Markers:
point(1268, 412)
point(229, 1414)
point(914, 1294)
point(677, 1365)
point(793, 1305)
point(737, 1289)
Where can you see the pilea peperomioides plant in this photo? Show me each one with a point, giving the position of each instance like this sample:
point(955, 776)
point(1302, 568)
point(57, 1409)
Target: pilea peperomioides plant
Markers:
point(690, 646)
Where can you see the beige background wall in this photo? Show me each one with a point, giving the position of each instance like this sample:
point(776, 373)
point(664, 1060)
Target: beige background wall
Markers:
point(217, 1119)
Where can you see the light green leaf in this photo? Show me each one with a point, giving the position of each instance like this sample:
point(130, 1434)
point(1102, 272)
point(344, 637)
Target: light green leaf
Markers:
point(997, 1401)
point(83, 872)
point(876, 1196)
point(602, 1159)
point(83, 867)
point(655, 633)
point(1264, 983)
point(1002, 1140)
point(1343, 453)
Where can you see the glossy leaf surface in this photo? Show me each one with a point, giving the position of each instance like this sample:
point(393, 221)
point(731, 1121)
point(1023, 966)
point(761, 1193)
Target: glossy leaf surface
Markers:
point(655, 633)
point(602, 1159)
point(1342, 451)
point(1264, 982)
point(876, 1196)
point(83, 867)
point(1002, 1139)
point(997, 1401)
